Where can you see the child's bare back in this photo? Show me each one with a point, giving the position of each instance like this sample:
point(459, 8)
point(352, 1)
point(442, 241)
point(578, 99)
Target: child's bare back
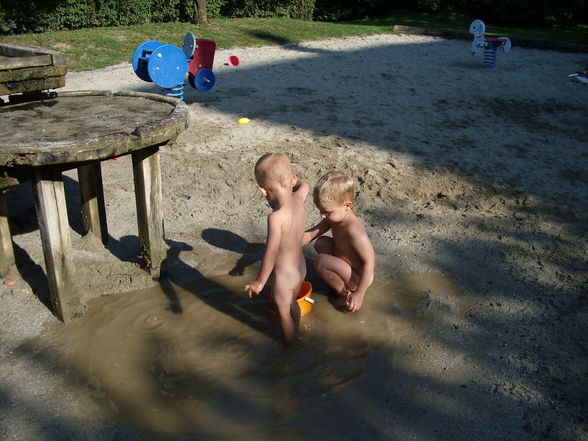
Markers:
point(285, 229)
point(290, 266)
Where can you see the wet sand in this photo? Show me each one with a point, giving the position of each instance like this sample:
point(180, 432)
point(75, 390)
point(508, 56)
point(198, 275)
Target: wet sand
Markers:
point(472, 185)
point(206, 361)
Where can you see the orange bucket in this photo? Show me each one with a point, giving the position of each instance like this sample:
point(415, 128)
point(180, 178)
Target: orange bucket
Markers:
point(304, 298)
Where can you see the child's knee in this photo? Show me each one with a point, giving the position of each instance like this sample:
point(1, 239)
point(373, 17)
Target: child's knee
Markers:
point(324, 245)
point(318, 263)
point(283, 305)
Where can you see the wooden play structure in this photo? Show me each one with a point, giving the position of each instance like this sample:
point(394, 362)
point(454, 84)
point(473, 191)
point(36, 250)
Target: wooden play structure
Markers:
point(79, 130)
point(26, 71)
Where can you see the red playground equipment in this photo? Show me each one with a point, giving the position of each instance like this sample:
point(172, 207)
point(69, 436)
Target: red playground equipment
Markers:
point(166, 65)
point(200, 55)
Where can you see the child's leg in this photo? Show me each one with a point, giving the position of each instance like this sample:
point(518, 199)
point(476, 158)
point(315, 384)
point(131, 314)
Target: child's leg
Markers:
point(295, 310)
point(336, 273)
point(283, 300)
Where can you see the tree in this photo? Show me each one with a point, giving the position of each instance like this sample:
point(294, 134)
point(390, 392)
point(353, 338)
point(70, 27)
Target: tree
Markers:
point(200, 16)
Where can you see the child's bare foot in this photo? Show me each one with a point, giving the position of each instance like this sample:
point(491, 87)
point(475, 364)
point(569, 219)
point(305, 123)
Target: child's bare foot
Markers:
point(340, 303)
point(342, 300)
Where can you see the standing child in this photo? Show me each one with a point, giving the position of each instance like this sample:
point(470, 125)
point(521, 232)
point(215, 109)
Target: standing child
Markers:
point(285, 230)
point(346, 261)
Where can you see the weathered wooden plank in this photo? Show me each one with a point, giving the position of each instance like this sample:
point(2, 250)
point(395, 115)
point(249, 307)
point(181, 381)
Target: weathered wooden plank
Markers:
point(6, 249)
point(13, 50)
point(56, 70)
point(92, 200)
point(55, 237)
point(21, 62)
point(443, 33)
point(148, 195)
point(11, 87)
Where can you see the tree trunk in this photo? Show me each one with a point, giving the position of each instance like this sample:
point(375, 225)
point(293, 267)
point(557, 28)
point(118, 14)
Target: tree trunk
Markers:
point(200, 16)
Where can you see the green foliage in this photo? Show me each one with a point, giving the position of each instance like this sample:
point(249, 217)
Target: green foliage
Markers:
point(303, 9)
point(8, 21)
point(345, 10)
point(256, 8)
point(528, 12)
point(506, 12)
point(213, 8)
point(300, 9)
point(20, 16)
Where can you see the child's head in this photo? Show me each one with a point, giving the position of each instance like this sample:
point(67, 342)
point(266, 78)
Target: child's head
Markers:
point(274, 170)
point(334, 189)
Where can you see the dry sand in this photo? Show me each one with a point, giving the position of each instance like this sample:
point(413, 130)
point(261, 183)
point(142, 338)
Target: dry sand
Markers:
point(475, 174)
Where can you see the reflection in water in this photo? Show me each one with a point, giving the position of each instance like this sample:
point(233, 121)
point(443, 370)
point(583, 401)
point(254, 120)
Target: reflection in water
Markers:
point(217, 370)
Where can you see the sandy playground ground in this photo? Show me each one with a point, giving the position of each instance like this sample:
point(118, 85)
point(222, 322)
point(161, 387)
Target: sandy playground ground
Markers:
point(476, 175)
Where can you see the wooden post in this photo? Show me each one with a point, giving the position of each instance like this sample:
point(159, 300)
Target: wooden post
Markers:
point(6, 249)
point(148, 195)
point(92, 199)
point(55, 237)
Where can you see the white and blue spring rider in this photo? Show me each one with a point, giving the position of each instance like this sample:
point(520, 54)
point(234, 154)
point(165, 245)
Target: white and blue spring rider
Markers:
point(487, 46)
point(162, 64)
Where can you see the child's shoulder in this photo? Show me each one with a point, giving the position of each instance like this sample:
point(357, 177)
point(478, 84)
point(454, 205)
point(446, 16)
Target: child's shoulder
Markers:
point(357, 225)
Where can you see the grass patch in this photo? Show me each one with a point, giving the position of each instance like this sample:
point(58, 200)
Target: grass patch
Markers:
point(88, 49)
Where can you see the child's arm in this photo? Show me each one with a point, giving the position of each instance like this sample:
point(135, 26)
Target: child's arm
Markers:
point(318, 230)
point(301, 189)
point(274, 234)
point(363, 248)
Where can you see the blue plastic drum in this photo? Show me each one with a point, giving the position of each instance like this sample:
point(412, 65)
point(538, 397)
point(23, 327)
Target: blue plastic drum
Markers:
point(189, 45)
point(167, 66)
point(203, 81)
point(141, 58)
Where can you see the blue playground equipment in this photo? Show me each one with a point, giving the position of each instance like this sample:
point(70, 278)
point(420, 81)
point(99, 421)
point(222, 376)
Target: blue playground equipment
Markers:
point(487, 45)
point(167, 65)
point(162, 64)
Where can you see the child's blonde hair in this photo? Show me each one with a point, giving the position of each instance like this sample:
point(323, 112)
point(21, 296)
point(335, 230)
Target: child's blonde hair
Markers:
point(334, 188)
point(273, 168)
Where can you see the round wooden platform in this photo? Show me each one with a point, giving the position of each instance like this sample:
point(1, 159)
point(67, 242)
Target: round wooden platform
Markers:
point(86, 126)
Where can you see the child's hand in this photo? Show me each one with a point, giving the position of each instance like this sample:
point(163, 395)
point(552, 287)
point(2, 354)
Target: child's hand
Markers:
point(253, 287)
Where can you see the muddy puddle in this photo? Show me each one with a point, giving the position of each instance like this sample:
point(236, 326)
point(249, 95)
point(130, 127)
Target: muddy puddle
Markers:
point(202, 361)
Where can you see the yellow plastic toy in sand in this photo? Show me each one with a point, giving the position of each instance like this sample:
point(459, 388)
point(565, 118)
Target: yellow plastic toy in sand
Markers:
point(244, 121)
point(305, 301)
